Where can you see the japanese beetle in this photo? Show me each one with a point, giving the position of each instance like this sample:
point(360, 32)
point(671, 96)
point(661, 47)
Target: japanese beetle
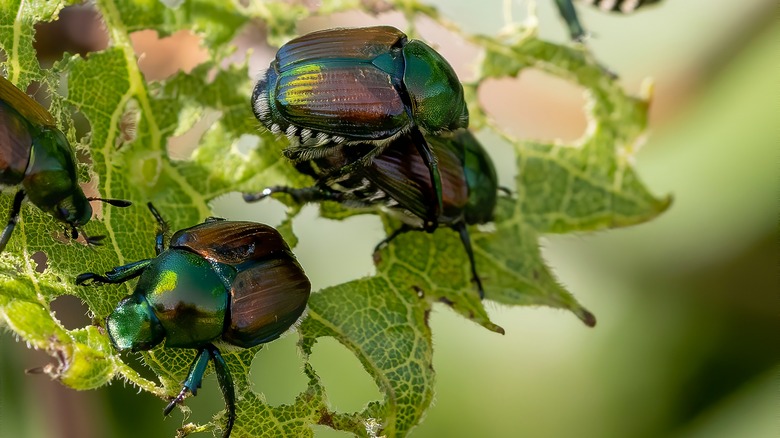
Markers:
point(235, 282)
point(361, 86)
point(37, 156)
point(569, 14)
point(398, 180)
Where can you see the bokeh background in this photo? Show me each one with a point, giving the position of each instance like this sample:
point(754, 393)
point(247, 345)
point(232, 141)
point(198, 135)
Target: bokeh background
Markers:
point(688, 305)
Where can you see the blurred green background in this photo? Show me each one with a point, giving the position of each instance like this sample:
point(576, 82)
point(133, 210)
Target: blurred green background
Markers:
point(688, 305)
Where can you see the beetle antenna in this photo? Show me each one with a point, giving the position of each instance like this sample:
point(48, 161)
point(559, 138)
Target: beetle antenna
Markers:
point(114, 202)
point(161, 230)
point(505, 190)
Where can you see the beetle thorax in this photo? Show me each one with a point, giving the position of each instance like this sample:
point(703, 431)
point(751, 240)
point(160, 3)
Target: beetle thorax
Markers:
point(188, 296)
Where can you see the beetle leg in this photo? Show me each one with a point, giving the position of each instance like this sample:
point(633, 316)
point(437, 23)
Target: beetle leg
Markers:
point(569, 14)
point(120, 274)
point(114, 202)
point(226, 386)
point(163, 228)
point(301, 196)
point(357, 163)
point(194, 378)
point(464, 237)
point(430, 160)
point(386, 241)
point(16, 207)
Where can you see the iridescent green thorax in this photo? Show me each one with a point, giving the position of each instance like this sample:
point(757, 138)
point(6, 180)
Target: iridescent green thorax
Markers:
point(436, 94)
point(187, 295)
point(51, 181)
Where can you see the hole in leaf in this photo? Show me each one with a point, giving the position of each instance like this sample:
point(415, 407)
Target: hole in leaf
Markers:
point(81, 123)
point(172, 4)
point(348, 385)
point(41, 261)
point(233, 206)
point(70, 311)
point(503, 155)
point(40, 93)
point(277, 371)
point(536, 105)
point(79, 29)
point(185, 141)
point(208, 402)
point(246, 143)
point(159, 58)
point(251, 47)
point(460, 54)
point(347, 245)
point(136, 362)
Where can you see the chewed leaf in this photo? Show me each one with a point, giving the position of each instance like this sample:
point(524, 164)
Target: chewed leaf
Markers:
point(384, 322)
point(560, 194)
point(382, 319)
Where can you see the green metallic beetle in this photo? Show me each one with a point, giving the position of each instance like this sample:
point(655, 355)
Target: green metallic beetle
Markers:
point(360, 86)
point(397, 179)
point(37, 156)
point(569, 14)
point(234, 282)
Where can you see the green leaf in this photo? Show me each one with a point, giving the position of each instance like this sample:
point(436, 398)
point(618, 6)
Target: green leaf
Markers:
point(381, 319)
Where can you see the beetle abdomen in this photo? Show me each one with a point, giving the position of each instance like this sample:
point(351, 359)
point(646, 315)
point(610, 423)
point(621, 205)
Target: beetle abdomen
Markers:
point(265, 300)
point(231, 243)
point(269, 291)
point(346, 43)
point(15, 145)
point(401, 173)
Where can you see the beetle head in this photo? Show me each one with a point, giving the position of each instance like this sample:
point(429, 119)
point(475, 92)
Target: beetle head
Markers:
point(133, 325)
point(73, 210)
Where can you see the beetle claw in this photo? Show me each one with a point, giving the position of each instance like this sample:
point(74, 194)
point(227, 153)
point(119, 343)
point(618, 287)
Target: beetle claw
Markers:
point(176, 400)
point(85, 278)
point(254, 197)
